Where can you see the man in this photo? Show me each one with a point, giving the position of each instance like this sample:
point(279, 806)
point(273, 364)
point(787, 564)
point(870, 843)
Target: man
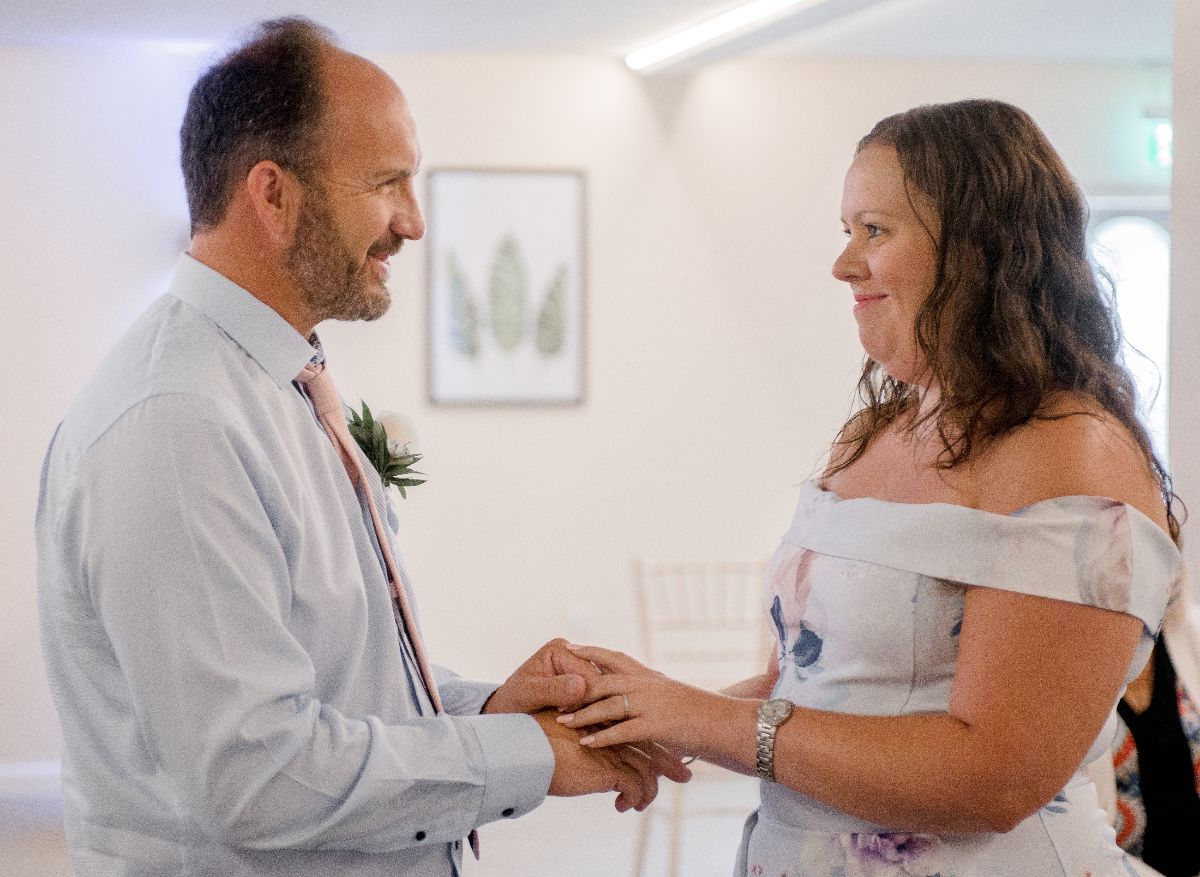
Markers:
point(239, 692)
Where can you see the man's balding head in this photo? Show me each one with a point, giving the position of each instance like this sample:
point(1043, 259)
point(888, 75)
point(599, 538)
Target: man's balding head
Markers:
point(264, 101)
point(299, 159)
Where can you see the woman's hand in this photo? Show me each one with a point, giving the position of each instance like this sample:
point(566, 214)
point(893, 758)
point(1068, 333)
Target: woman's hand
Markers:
point(635, 703)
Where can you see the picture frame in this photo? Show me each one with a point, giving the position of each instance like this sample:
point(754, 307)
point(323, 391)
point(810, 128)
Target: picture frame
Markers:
point(506, 281)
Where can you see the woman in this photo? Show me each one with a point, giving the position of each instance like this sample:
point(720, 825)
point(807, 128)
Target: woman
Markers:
point(979, 571)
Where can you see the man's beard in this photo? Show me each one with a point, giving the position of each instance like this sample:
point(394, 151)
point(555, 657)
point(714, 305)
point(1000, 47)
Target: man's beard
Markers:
point(331, 284)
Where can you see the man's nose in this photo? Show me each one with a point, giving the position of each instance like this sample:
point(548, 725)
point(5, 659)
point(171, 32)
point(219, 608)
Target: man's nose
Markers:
point(408, 222)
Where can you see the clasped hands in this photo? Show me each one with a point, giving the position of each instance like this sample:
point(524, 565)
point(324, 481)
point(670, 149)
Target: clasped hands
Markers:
point(570, 691)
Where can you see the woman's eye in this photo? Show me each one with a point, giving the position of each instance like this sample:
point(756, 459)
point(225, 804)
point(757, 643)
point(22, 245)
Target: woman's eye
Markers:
point(873, 230)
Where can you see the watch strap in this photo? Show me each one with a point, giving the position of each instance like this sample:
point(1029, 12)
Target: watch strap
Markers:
point(771, 714)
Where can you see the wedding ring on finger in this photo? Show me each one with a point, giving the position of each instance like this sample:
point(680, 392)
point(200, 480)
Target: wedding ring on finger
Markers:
point(625, 700)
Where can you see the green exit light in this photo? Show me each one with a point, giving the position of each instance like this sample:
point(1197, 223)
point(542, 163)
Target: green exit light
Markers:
point(1161, 135)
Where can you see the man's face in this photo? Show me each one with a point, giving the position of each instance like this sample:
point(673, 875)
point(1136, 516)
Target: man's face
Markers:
point(362, 206)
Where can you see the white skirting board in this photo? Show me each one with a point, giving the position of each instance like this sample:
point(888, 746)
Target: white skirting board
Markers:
point(30, 796)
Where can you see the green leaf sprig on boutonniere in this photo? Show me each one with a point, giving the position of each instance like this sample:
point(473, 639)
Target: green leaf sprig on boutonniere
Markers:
point(390, 455)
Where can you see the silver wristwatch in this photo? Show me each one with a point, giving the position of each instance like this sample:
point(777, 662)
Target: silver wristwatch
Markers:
point(771, 714)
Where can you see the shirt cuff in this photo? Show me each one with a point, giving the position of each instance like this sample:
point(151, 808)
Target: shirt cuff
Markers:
point(464, 697)
point(519, 764)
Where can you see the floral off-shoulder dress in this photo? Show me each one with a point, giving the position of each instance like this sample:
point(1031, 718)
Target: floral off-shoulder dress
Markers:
point(866, 597)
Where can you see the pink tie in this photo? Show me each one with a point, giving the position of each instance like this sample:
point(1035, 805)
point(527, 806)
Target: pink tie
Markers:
point(328, 405)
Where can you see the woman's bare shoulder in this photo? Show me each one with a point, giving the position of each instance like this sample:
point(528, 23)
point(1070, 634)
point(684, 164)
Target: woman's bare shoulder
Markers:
point(1074, 447)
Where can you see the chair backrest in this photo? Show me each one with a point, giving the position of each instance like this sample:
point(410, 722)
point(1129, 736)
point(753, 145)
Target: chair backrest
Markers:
point(703, 622)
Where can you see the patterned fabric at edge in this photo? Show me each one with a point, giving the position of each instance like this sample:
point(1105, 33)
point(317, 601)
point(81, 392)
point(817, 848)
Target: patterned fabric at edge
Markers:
point(1130, 807)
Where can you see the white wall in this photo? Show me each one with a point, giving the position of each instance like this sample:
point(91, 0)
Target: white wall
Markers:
point(90, 214)
point(1185, 271)
point(721, 353)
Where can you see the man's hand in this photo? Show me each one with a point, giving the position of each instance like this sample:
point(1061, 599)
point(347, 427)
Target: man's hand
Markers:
point(629, 771)
point(553, 677)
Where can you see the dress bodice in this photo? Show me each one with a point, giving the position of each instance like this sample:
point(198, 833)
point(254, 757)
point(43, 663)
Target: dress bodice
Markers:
point(884, 576)
point(866, 598)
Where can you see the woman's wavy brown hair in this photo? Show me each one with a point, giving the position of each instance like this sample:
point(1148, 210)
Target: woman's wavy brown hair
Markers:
point(1017, 311)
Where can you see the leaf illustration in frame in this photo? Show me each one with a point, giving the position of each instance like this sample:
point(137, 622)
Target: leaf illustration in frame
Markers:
point(552, 320)
point(464, 318)
point(509, 292)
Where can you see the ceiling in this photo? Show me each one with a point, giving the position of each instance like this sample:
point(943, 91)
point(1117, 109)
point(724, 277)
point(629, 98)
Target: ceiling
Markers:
point(1101, 30)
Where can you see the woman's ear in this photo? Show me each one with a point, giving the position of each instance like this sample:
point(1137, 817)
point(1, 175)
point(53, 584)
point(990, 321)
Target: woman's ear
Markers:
point(277, 195)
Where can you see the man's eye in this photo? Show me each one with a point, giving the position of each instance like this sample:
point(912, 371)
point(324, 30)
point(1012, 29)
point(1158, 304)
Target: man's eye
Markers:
point(873, 230)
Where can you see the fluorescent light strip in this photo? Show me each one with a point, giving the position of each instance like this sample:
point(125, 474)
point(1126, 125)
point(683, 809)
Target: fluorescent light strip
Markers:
point(182, 47)
point(711, 31)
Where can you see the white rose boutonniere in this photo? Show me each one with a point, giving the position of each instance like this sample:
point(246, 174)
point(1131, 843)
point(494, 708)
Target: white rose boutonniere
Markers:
point(388, 442)
point(401, 432)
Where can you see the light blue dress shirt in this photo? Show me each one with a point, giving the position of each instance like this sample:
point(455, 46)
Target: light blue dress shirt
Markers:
point(218, 633)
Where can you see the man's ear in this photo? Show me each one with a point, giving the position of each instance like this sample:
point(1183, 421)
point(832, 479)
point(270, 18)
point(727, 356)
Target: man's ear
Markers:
point(276, 195)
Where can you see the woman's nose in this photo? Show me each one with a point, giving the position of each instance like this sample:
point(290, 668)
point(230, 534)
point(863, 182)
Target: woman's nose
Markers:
point(849, 266)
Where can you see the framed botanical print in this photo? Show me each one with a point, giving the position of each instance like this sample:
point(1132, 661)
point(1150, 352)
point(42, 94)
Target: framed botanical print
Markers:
point(506, 281)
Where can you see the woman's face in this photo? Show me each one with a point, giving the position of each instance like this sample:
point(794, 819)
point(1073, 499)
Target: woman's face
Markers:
point(890, 260)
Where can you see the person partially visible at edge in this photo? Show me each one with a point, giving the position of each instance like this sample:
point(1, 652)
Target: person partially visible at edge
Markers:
point(236, 696)
point(1153, 784)
point(982, 566)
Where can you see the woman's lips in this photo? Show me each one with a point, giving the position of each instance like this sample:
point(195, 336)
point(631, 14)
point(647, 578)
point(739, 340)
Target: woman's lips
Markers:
point(862, 301)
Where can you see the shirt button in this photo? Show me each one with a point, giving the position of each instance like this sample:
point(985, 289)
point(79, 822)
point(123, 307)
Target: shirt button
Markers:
point(507, 811)
point(420, 835)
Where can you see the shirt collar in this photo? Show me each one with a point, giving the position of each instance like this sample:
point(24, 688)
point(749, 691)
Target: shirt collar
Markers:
point(253, 325)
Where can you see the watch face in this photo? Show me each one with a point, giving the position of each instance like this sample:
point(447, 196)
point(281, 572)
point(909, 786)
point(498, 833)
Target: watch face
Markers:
point(775, 711)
